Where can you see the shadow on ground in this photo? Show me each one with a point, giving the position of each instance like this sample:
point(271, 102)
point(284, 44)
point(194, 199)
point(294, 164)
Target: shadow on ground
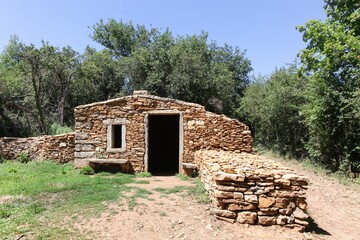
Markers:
point(315, 228)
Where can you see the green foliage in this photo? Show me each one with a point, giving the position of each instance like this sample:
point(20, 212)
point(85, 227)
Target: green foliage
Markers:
point(42, 85)
point(56, 129)
point(87, 170)
point(23, 157)
point(272, 106)
point(36, 87)
point(331, 62)
point(186, 68)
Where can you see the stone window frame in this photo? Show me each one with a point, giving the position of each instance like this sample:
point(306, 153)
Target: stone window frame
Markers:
point(109, 134)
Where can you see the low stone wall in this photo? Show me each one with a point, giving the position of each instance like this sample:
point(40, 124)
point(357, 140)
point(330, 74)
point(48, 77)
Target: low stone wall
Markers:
point(60, 148)
point(252, 189)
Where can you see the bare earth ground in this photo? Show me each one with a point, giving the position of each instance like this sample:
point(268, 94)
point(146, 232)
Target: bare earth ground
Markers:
point(335, 209)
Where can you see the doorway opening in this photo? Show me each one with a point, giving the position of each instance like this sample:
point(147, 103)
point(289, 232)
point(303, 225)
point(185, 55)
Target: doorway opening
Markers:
point(163, 144)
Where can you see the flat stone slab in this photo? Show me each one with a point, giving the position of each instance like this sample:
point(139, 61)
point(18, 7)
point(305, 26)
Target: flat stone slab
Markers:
point(108, 161)
point(189, 165)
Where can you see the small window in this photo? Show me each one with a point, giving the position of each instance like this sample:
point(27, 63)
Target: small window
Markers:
point(116, 136)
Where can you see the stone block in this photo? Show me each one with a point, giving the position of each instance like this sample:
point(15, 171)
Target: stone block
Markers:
point(295, 177)
point(238, 195)
point(266, 220)
point(251, 198)
point(268, 211)
point(266, 202)
point(247, 217)
point(222, 194)
point(221, 176)
point(243, 206)
point(300, 214)
point(225, 213)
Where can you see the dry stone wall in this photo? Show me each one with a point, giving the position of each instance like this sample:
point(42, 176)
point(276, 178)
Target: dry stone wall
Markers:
point(59, 148)
point(201, 129)
point(251, 189)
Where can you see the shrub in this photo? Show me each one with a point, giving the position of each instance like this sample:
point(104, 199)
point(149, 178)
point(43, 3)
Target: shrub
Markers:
point(56, 129)
point(23, 157)
point(2, 159)
point(87, 170)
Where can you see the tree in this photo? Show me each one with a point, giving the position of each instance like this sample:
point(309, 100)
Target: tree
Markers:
point(64, 65)
point(36, 86)
point(331, 61)
point(273, 108)
point(100, 74)
point(187, 67)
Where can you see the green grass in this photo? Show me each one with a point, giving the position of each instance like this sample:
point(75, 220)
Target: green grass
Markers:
point(196, 192)
point(137, 193)
point(35, 194)
point(143, 174)
point(142, 182)
point(36, 197)
point(175, 189)
point(199, 193)
point(183, 177)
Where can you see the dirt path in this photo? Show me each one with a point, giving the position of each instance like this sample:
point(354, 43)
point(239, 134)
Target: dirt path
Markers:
point(335, 209)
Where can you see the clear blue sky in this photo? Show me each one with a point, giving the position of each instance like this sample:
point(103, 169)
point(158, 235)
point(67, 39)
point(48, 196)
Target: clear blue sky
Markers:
point(266, 29)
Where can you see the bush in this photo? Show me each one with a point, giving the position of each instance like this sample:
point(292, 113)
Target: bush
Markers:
point(87, 170)
point(56, 129)
point(23, 157)
point(2, 159)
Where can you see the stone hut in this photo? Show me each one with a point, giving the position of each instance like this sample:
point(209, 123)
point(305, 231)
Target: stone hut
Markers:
point(142, 132)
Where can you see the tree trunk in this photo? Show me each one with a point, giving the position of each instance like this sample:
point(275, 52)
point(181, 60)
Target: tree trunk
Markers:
point(39, 109)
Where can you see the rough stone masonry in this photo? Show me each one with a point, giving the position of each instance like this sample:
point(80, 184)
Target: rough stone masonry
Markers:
point(252, 189)
point(199, 128)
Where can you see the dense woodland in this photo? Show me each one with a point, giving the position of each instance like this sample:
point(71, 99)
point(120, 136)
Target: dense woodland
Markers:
point(309, 109)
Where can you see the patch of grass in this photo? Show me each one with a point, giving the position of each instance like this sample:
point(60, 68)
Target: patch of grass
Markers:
point(163, 214)
point(142, 182)
point(104, 174)
point(357, 180)
point(138, 193)
point(39, 195)
point(143, 174)
point(183, 177)
point(196, 192)
point(199, 192)
point(175, 189)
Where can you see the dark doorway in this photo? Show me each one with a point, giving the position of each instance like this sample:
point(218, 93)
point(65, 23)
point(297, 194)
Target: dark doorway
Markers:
point(163, 148)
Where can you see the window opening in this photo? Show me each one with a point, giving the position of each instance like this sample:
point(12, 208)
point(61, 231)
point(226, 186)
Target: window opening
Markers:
point(117, 136)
